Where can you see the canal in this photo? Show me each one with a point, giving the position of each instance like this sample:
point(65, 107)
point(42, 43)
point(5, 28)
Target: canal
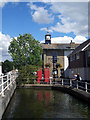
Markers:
point(36, 103)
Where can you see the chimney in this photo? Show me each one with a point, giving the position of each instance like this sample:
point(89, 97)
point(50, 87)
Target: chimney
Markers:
point(72, 44)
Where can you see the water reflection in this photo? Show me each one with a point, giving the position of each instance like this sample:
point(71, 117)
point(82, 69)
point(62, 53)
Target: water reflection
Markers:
point(30, 103)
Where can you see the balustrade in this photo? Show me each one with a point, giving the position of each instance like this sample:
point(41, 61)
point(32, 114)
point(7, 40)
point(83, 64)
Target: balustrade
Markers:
point(7, 80)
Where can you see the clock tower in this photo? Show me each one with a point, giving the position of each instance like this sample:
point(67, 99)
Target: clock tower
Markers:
point(47, 38)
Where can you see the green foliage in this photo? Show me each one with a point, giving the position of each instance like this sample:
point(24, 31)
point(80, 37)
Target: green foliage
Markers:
point(7, 66)
point(25, 50)
point(26, 74)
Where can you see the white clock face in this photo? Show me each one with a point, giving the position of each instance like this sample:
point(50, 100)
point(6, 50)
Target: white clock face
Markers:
point(48, 37)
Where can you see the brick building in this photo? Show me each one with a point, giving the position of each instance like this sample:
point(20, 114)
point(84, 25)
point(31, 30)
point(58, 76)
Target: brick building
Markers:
point(79, 61)
point(55, 54)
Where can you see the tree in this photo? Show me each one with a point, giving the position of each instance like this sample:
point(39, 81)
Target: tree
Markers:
point(26, 74)
point(25, 50)
point(7, 66)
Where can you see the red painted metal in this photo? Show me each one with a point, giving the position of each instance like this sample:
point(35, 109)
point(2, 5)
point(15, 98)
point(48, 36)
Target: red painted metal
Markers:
point(46, 74)
point(39, 75)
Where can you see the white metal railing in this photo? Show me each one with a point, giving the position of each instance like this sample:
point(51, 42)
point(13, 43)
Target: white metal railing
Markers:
point(61, 81)
point(77, 84)
point(64, 82)
point(69, 82)
point(7, 80)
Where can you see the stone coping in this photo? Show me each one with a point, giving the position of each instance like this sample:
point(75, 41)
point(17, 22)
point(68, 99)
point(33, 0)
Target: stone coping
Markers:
point(35, 85)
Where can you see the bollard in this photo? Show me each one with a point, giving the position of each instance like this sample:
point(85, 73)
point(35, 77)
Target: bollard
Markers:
point(62, 81)
point(2, 88)
point(70, 82)
point(77, 84)
point(86, 86)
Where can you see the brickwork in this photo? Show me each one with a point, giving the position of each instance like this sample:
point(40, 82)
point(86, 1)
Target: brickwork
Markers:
point(48, 58)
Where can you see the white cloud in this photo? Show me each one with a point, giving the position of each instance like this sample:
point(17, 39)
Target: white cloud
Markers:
point(40, 14)
point(4, 2)
point(74, 18)
point(66, 39)
point(79, 39)
point(64, 0)
point(4, 43)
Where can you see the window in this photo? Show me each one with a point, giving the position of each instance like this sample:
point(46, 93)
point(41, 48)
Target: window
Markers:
point(89, 53)
point(73, 57)
point(54, 53)
point(77, 56)
point(54, 57)
point(70, 58)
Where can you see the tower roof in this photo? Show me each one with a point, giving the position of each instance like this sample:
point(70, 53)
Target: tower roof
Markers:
point(48, 33)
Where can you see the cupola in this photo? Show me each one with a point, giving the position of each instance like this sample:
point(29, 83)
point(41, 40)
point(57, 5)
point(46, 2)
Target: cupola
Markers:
point(48, 38)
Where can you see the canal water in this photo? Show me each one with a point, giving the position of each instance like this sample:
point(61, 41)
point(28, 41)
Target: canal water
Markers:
point(34, 103)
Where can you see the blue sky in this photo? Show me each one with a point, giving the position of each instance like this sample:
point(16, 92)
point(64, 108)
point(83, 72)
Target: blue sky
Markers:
point(17, 19)
point(66, 21)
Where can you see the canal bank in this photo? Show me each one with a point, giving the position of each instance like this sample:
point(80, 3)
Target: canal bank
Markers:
point(45, 103)
point(5, 100)
point(78, 93)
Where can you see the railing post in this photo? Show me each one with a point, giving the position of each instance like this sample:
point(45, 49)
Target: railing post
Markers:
point(77, 84)
point(70, 82)
point(15, 75)
point(7, 82)
point(10, 79)
point(50, 81)
point(86, 86)
point(2, 87)
point(62, 81)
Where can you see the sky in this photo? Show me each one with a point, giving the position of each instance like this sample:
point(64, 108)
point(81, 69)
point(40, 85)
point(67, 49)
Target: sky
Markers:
point(66, 21)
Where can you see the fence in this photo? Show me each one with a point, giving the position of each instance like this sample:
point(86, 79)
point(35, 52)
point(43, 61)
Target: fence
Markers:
point(7, 80)
point(68, 82)
point(60, 81)
point(76, 84)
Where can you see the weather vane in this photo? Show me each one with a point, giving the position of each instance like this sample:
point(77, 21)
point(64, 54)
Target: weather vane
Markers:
point(47, 29)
